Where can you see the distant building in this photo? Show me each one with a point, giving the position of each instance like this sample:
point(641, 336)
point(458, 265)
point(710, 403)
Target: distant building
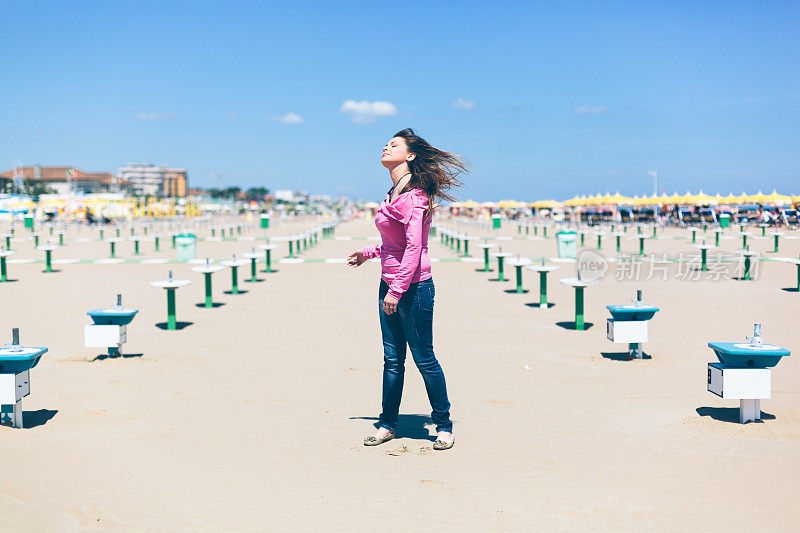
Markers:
point(152, 180)
point(59, 179)
point(289, 196)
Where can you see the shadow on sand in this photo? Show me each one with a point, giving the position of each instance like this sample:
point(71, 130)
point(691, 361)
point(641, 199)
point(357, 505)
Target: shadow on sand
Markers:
point(104, 356)
point(32, 419)
point(571, 325)
point(622, 356)
point(178, 325)
point(214, 305)
point(410, 426)
point(537, 305)
point(728, 414)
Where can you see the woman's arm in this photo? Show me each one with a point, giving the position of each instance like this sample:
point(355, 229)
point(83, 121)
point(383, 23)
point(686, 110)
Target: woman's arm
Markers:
point(372, 251)
point(412, 253)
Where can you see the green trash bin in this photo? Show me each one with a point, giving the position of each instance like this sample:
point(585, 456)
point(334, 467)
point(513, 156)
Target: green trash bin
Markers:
point(496, 224)
point(567, 244)
point(264, 221)
point(186, 244)
point(724, 220)
point(29, 221)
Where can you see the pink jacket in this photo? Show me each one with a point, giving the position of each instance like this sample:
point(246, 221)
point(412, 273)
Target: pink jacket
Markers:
point(404, 241)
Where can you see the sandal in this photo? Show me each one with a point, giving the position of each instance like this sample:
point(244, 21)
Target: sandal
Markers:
point(372, 440)
point(443, 444)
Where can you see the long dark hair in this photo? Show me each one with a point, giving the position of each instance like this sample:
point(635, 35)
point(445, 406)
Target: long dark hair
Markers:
point(433, 170)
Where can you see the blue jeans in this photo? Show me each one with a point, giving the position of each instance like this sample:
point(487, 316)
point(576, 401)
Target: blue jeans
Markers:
point(412, 323)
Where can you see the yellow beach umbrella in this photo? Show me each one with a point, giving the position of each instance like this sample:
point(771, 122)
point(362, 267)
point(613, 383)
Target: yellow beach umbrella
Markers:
point(777, 199)
point(545, 204)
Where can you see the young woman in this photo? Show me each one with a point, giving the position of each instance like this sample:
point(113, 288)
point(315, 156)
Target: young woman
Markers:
point(419, 173)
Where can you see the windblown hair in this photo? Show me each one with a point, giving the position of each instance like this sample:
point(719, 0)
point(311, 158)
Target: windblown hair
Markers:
point(432, 170)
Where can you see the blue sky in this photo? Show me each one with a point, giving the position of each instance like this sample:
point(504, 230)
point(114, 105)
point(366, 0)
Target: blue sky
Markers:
point(546, 100)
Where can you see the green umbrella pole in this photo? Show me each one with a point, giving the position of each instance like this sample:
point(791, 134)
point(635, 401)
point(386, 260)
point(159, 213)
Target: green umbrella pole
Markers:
point(703, 264)
point(156, 243)
point(3, 272)
point(131, 231)
point(8, 242)
point(61, 239)
point(776, 244)
point(520, 290)
point(135, 247)
point(486, 260)
point(171, 323)
point(654, 231)
point(579, 308)
point(618, 243)
point(519, 229)
point(500, 270)
point(51, 230)
point(209, 301)
point(173, 241)
point(583, 235)
point(291, 249)
point(544, 231)
point(694, 236)
point(527, 230)
point(234, 280)
point(117, 232)
point(101, 234)
point(747, 267)
point(466, 248)
point(269, 261)
point(543, 289)
point(213, 232)
point(744, 242)
point(253, 269)
point(716, 239)
point(48, 261)
point(599, 242)
point(112, 250)
point(35, 240)
point(536, 230)
point(458, 245)
point(641, 246)
point(763, 231)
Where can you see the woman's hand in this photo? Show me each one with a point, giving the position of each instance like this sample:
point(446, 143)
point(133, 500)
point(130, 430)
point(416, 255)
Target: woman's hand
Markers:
point(389, 304)
point(356, 259)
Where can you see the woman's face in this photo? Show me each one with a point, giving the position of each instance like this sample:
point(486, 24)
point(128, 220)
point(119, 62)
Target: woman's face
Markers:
point(395, 153)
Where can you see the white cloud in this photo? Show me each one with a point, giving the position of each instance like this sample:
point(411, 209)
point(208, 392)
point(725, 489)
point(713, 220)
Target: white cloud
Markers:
point(590, 110)
point(154, 116)
point(289, 118)
point(464, 105)
point(365, 112)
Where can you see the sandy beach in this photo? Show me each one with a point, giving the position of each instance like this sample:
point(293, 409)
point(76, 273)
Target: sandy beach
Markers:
point(252, 415)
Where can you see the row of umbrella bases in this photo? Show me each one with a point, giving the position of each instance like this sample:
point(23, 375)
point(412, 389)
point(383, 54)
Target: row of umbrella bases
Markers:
point(170, 285)
point(296, 243)
point(454, 239)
